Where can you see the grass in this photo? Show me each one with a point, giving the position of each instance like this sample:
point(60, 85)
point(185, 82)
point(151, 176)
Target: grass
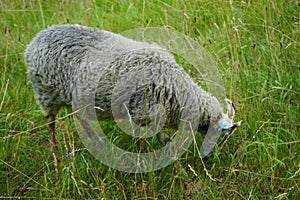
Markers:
point(255, 45)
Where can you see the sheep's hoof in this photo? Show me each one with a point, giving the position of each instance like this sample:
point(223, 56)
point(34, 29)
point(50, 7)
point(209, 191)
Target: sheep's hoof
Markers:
point(55, 152)
point(163, 138)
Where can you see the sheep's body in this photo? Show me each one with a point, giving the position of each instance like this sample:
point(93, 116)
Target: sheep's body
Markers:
point(54, 56)
point(62, 59)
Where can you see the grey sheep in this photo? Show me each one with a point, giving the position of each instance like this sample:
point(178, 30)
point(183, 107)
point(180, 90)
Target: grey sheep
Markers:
point(66, 63)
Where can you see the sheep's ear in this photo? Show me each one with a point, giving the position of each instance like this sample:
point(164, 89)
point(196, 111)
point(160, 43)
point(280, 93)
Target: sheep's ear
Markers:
point(230, 108)
point(238, 123)
point(234, 126)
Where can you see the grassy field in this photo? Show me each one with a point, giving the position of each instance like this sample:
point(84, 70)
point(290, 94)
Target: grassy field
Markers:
point(255, 45)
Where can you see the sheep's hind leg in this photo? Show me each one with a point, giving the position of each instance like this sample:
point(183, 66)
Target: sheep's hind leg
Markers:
point(51, 130)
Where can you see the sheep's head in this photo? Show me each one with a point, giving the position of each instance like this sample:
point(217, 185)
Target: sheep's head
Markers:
point(219, 130)
point(226, 124)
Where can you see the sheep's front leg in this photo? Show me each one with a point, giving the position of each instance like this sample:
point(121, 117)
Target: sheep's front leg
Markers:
point(51, 130)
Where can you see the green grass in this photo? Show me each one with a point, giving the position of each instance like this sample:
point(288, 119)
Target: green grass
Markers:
point(255, 45)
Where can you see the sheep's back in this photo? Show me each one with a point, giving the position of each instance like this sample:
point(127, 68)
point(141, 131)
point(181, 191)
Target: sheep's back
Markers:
point(56, 51)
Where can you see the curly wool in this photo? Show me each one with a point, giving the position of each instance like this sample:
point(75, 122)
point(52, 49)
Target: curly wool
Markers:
point(67, 62)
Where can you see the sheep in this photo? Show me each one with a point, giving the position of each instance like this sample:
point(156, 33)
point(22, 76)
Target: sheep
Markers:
point(66, 63)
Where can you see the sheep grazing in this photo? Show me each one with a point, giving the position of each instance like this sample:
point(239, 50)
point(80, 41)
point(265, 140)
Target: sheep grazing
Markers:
point(126, 77)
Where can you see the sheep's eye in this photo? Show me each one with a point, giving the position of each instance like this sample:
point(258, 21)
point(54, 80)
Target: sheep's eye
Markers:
point(222, 128)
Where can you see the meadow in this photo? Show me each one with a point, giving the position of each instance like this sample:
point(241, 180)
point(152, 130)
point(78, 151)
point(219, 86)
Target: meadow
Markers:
point(255, 46)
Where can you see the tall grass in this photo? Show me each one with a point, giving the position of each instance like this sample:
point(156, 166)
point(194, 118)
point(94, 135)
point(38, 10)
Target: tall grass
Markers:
point(255, 45)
